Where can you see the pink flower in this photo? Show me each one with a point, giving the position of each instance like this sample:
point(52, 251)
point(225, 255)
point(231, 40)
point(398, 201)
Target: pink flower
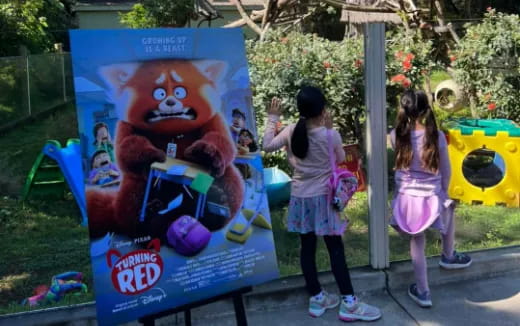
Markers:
point(407, 65)
point(410, 57)
point(491, 106)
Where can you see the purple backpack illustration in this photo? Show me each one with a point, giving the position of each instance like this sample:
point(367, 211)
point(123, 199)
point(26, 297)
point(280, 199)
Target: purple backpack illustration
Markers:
point(342, 183)
point(188, 236)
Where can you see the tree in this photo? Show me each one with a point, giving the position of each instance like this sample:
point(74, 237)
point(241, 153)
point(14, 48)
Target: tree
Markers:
point(487, 66)
point(159, 13)
point(35, 24)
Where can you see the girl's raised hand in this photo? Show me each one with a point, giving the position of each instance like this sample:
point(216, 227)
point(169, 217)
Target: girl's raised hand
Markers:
point(276, 106)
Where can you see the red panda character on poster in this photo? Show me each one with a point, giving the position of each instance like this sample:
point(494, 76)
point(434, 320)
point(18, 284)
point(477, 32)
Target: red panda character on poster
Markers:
point(159, 102)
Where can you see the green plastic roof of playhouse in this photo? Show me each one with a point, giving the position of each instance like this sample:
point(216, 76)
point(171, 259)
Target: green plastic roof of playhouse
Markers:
point(490, 127)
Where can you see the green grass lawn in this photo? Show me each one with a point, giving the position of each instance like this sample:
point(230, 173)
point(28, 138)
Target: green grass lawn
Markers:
point(477, 227)
point(43, 238)
point(20, 146)
point(40, 238)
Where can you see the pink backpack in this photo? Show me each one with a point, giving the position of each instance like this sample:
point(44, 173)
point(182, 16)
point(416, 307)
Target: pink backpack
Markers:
point(343, 184)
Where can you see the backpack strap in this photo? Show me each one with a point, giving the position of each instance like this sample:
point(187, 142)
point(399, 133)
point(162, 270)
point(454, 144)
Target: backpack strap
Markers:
point(332, 158)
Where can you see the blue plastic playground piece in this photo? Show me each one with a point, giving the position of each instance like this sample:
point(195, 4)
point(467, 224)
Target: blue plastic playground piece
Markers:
point(278, 186)
point(69, 161)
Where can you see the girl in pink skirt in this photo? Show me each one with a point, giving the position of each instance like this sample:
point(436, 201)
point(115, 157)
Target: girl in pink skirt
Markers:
point(422, 177)
point(310, 211)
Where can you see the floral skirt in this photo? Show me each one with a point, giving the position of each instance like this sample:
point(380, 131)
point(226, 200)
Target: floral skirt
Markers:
point(314, 214)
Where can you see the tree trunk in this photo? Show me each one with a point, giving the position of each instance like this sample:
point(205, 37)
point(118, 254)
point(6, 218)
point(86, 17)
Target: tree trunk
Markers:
point(428, 89)
point(473, 106)
point(439, 6)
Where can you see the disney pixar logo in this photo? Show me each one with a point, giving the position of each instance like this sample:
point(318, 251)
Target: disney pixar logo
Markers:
point(137, 271)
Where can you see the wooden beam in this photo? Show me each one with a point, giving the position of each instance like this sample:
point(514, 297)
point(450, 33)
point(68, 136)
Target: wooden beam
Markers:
point(342, 5)
point(375, 99)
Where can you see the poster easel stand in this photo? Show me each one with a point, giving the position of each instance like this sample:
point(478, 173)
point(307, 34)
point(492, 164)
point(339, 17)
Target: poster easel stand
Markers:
point(238, 303)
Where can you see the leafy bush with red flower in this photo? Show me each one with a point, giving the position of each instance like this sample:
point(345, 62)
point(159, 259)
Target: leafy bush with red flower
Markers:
point(408, 61)
point(281, 64)
point(487, 65)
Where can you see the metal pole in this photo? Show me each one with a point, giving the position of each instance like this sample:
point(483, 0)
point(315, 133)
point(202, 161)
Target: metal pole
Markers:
point(64, 83)
point(375, 99)
point(59, 51)
point(25, 54)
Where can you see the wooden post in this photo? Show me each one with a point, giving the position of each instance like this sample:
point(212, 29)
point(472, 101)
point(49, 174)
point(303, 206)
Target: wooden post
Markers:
point(375, 99)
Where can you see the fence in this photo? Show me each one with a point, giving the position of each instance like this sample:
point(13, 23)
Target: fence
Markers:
point(33, 84)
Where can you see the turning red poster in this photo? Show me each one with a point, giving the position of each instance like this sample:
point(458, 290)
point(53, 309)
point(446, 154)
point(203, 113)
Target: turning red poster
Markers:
point(176, 201)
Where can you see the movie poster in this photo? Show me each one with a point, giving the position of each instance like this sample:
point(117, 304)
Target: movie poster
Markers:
point(175, 194)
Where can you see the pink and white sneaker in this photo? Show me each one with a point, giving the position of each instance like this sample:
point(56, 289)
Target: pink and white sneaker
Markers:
point(318, 307)
point(358, 311)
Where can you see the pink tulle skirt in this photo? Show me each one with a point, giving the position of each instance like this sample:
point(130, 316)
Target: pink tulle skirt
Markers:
point(414, 214)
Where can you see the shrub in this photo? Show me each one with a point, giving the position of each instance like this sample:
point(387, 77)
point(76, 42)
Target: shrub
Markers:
point(159, 13)
point(487, 65)
point(281, 64)
point(408, 62)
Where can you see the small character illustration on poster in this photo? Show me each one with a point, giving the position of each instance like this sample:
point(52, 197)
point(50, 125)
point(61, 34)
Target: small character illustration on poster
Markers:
point(103, 140)
point(246, 142)
point(246, 146)
point(168, 109)
point(103, 171)
point(238, 122)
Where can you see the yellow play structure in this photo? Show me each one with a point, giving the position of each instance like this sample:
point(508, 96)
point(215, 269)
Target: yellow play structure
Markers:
point(469, 136)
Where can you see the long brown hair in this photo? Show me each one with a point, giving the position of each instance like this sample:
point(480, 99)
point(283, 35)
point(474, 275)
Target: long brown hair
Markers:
point(415, 107)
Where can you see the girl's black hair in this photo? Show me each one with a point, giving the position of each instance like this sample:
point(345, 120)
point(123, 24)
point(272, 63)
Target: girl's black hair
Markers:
point(311, 103)
point(101, 151)
point(252, 147)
